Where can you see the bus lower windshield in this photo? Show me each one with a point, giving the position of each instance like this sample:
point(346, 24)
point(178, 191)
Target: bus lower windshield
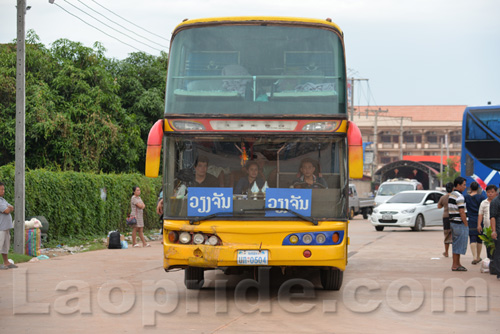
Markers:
point(256, 70)
point(246, 177)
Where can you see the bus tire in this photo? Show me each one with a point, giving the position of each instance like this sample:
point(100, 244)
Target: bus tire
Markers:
point(194, 277)
point(331, 279)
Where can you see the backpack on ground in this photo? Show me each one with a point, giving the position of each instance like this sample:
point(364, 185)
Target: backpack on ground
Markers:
point(114, 240)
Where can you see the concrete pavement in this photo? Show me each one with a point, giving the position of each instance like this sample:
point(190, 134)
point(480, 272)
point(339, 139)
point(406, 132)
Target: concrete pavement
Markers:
point(395, 280)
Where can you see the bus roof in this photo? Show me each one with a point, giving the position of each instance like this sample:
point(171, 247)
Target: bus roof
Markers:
point(306, 21)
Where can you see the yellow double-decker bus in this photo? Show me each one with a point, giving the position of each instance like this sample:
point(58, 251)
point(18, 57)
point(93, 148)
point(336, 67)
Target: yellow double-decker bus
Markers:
point(257, 148)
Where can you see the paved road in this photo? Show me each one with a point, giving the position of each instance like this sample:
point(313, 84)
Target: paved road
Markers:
point(395, 281)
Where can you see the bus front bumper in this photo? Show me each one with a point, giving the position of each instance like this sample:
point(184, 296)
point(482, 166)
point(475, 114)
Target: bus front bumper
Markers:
point(206, 256)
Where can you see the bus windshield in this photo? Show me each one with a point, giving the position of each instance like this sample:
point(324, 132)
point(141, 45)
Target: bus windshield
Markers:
point(255, 173)
point(256, 70)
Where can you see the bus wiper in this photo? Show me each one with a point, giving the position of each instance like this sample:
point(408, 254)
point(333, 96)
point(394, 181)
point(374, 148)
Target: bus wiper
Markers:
point(208, 217)
point(309, 219)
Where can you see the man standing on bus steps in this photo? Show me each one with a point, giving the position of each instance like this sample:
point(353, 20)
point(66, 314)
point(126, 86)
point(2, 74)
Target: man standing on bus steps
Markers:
point(458, 221)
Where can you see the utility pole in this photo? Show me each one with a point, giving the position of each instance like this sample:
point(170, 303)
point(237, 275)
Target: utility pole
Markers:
point(401, 137)
point(441, 166)
point(375, 138)
point(352, 95)
point(20, 130)
point(401, 140)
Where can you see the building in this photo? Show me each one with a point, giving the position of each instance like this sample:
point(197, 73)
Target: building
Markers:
point(398, 131)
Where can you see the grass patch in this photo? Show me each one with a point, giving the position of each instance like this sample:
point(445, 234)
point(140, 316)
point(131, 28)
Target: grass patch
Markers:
point(95, 246)
point(73, 241)
point(18, 258)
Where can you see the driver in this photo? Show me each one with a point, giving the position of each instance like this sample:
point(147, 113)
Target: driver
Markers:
point(201, 177)
point(308, 178)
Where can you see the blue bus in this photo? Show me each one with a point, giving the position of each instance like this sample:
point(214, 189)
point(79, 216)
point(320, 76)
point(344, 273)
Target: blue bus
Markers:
point(480, 159)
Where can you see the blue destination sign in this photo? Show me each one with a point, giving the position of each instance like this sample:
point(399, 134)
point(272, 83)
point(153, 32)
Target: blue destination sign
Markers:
point(297, 200)
point(206, 201)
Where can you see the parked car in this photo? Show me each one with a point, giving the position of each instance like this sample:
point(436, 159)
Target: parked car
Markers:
point(391, 187)
point(415, 209)
point(359, 205)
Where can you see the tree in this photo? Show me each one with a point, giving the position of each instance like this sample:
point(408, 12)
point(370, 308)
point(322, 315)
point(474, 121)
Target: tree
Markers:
point(78, 115)
point(141, 79)
point(449, 173)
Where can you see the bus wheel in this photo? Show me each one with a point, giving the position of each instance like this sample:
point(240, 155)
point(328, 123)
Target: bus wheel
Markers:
point(331, 279)
point(194, 278)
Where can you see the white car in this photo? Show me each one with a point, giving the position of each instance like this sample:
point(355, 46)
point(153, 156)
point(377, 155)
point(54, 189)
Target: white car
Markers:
point(391, 187)
point(415, 209)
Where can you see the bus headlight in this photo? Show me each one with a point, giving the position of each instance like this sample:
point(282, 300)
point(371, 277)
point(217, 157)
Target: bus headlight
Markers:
point(185, 238)
point(198, 238)
point(213, 240)
point(320, 238)
point(320, 126)
point(307, 238)
point(188, 125)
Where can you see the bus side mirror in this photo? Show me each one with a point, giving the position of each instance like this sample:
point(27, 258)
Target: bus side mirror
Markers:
point(355, 142)
point(153, 151)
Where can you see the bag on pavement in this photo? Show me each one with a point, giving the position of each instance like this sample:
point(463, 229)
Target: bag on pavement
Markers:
point(485, 266)
point(114, 240)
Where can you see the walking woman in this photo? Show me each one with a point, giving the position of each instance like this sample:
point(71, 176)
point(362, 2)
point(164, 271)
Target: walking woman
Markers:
point(137, 209)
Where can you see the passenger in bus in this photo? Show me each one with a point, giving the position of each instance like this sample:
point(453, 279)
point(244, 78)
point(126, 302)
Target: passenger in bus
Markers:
point(201, 177)
point(238, 85)
point(246, 183)
point(309, 176)
point(267, 170)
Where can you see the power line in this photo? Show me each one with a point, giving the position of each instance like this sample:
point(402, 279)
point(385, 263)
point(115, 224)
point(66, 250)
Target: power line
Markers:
point(105, 33)
point(107, 25)
point(118, 24)
point(152, 33)
point(370, 93)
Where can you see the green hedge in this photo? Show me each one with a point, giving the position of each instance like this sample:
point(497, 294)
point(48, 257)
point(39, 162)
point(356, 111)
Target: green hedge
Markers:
point(72, 204)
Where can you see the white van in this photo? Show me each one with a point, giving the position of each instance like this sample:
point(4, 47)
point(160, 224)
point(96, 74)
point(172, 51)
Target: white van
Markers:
point(391, 187)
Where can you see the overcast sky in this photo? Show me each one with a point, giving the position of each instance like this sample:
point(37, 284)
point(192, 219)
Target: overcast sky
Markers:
point(419, 52)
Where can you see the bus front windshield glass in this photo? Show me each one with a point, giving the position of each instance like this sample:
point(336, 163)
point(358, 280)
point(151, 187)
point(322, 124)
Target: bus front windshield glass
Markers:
point(247, 177)
point(256, 70)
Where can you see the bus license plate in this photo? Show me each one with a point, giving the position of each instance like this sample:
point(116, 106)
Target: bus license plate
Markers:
point(386, 217)
point(253, 257)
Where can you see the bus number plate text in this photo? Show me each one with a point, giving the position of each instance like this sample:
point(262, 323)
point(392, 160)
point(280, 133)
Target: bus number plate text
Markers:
point(253, 257)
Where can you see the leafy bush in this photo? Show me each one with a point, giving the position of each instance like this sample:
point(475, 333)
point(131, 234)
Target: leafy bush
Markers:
point(72, 204)
point(488, 240)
